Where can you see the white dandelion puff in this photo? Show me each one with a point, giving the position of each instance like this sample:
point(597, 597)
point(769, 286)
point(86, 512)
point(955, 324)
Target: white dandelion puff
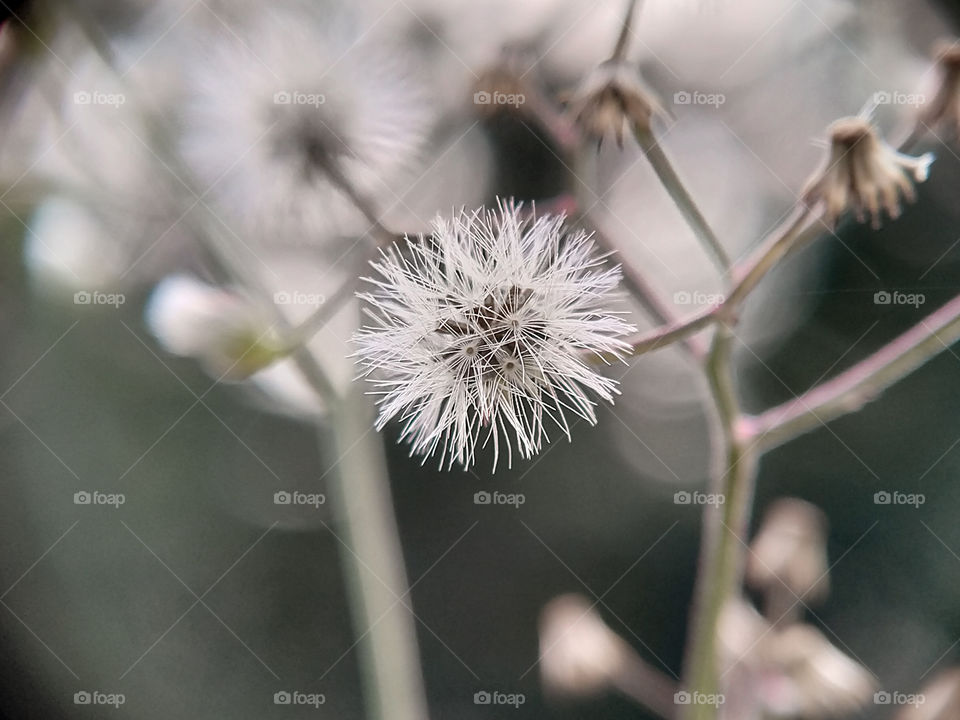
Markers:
point(287, 103)
point(478, 333)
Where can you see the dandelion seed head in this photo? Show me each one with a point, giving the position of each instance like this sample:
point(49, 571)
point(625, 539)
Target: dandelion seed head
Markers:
point(477, 334)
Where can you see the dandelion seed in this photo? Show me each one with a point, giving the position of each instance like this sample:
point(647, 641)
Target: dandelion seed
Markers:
point(476, 334)
point(862, 174)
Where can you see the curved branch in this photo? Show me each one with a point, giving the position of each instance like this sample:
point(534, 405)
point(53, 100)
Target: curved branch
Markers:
point(852, 389)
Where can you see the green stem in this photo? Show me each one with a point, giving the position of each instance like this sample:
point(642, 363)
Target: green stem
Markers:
point(373, 564)
point(798, 229)
point(678, 193)
point(722, 554)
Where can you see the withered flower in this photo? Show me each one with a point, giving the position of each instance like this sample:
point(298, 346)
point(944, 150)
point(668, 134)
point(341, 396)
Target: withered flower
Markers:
point(863, 174)
point(612, 96)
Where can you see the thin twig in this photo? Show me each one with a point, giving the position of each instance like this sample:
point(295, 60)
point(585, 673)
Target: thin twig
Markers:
point(678, 193)
point(801, 227)
point(667, 334)
point(623, 40)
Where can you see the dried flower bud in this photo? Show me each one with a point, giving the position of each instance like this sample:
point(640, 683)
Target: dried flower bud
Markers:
point(941, 699)
point(862, 174)
point(222, 330)
point(610, 97)
point(945, 106)
point(789, 551)
point(579, 654)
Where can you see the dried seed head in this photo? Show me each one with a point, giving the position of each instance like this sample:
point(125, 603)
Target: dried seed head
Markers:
point(863, 174)
point(610, 97)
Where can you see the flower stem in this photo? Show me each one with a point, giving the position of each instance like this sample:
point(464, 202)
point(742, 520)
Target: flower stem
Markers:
point(678, 193)
point(852, 389)
point(633, 278)
point(723, 547)
point(623, 40)
point(798, 229)
point(667, 334)
point(373, 564)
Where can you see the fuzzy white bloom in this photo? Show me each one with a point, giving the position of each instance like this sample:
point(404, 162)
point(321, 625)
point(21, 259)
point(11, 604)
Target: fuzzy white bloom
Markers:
point(223, 330)
point(478, 333)
point(287, 101)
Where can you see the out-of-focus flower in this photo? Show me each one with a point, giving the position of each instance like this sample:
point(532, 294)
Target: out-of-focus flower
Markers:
point(939, 700)
point(945, 106)
point(480, 329)
point(794, 672)
point(287, 107)
point(862, 174)
point(223, 330)
point(579, 654)
point(611, 97)
point(67, 248)
point(789, 552)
